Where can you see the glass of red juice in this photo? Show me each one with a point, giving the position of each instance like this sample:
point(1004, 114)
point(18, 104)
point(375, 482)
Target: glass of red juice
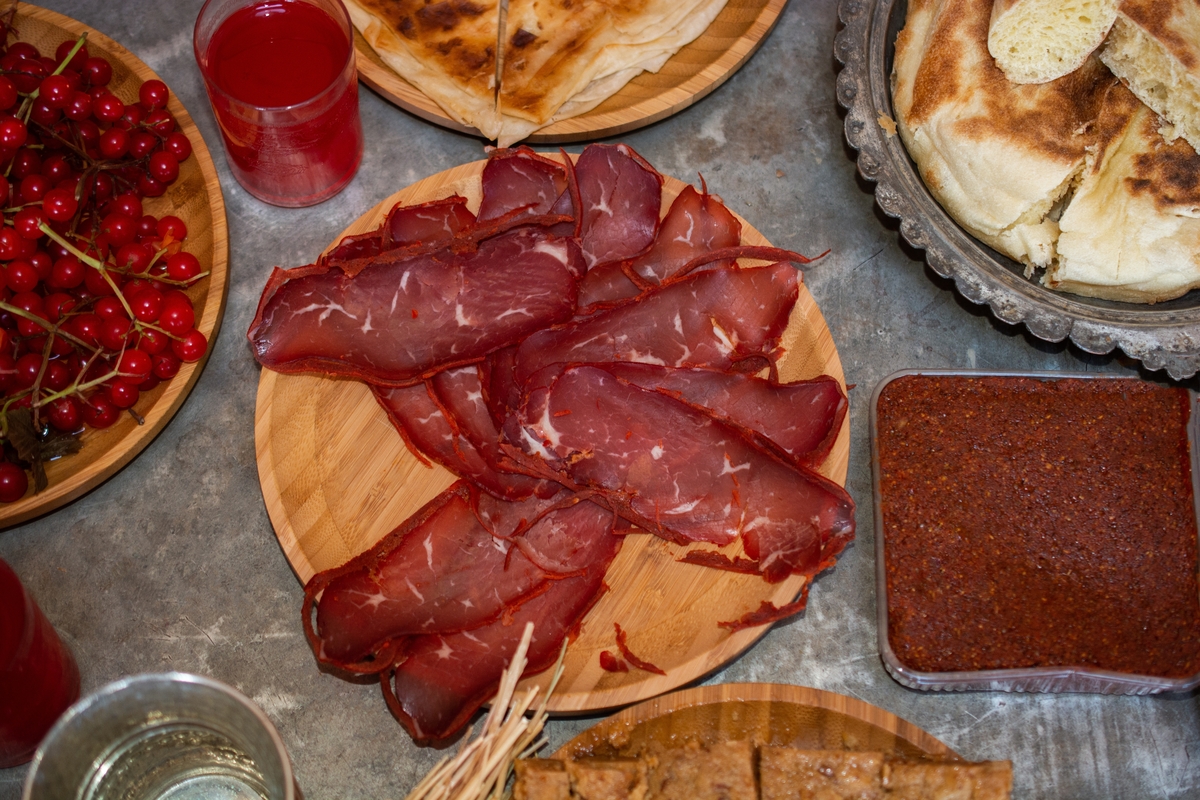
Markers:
point(38, 675)
point(282, 82)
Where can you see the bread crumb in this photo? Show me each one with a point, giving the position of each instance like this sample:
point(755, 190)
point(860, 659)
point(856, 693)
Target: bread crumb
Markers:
point(779, 173)
point(887, 123)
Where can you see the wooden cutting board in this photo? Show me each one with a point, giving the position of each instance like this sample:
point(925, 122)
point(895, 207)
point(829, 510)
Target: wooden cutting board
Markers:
point(336, 478)
point(196, 198)
point(688, 76)
point(771, 714)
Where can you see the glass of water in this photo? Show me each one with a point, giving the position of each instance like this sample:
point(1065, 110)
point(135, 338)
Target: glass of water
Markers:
point(172, 736)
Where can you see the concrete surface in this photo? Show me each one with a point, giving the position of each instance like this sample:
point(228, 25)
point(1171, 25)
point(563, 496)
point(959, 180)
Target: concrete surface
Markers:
point(172, 564)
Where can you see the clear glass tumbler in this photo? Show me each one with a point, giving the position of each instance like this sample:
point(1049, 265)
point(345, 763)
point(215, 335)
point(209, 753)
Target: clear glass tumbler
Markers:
point(282, 82)
point(172, 736)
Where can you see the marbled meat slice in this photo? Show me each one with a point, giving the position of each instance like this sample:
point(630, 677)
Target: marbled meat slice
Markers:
point(801, 419)
point(520, 180)
point(459, 393)
point(436, 221)
point(675, 471)
point(397, 322)
point(445, 679)
point(714, 319)
point(696, 223)
point(359, 245)
point(422, 423)
point(604, 286)
point(621, 197)
point(439, 571)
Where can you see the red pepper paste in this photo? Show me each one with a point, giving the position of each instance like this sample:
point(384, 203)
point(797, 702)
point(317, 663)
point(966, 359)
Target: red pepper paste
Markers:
point(1033, 523)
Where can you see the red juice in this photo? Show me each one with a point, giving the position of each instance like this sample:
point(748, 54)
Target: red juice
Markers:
point(281, 79)
point(38, 676)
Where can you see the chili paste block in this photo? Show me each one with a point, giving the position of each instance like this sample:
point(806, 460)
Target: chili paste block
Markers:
point(1034, 522)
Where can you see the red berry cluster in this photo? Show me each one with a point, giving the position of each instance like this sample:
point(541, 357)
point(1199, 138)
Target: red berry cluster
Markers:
point(92, 307)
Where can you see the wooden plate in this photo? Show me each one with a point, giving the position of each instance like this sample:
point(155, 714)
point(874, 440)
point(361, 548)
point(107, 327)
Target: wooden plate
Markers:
point(764, 713)
point(196, 199)
point(336, 478)
point(689, 75)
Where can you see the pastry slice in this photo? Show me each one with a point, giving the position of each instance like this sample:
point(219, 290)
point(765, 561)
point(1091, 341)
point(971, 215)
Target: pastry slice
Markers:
point(447, 49)
point(1154, 47)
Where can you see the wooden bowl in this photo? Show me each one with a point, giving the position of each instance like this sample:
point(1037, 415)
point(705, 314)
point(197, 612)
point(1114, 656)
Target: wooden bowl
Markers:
point(336, 478)
point(771, 714)
point(195, 197)
point(689, 75)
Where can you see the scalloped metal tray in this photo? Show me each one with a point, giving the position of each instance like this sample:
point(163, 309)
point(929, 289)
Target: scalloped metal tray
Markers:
point(1165, 336)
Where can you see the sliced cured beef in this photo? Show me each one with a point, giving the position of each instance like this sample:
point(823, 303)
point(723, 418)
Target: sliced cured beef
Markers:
point(440, 571)
point(459, 393)
point(361, 245)
point(436, 221)
point(675, 471)
point(621, 197)
point(518, 179)
point(398, 321)
point(710, 319)
point(800, 419)
point(696, 223)
point(445, 679)
point(604, 285)
point(497, 374)
point(421, 422)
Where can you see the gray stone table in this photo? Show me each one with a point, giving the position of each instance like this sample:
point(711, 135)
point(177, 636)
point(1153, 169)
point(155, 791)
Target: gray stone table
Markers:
point(172, 564)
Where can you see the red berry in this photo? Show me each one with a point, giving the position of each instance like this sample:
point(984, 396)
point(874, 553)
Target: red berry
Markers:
point(135, 366)
point(190, 348)
point(26, 162)
point(153, 94)
point(108, 108)
point(119, 228)
point(114, 333)
point(135, 257)
point(96, 284)
point(178, 145)
point(163, 167)
point(183, 266)
point(28, 367)
point(34, 187)
point(55, 91)
point(20, 276)
point(177, 317)
point(150, 187)
point(173, 225)
point(147, 305)
point(44, 114)
point(127, 203)
point(122, 394)
point(56, 377)
point(110, 308)
point(57, 169)
point(57, 304)
point(132, 116)
point(8, 94)
point(152, 342)
point(64, 415)
point(80, 106)
point(13, 482)
point(67, 273)
point(59, 205)
point(10, 244)
point(13, 133)
point(161, 122)
point(98, 411)
point(29, 220)
point(114, 143)
point(166, 365)
point(97, 71)
point(86, 327)
point(142, 143)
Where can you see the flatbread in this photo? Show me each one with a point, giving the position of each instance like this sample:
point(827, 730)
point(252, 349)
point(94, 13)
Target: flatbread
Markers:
point(998, 156)
point(559, 58)
point(1034, 41)
point(558, 51)
point(1132, 230)
point(1154, 47)
point(447, 49)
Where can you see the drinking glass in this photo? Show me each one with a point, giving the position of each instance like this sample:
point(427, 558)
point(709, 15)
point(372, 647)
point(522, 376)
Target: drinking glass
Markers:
point(38, 676)
point(282, 82)
point(171, 736)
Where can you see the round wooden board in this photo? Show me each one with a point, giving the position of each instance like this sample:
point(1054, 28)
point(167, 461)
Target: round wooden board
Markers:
point(196, 199)
point(763, 713)
point(688, 76)
point(337, 478)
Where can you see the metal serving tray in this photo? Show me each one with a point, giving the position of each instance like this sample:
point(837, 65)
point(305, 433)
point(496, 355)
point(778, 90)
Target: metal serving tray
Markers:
point(1032, 679)
point(1162, 336)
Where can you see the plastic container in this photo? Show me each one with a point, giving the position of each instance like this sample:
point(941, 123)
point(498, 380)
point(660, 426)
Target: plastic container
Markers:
point(1031, 679)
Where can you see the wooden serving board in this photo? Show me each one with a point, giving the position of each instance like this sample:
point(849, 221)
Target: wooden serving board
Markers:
point(688, 76)
point(336, 478)
point(196, 199)
point(763, 713)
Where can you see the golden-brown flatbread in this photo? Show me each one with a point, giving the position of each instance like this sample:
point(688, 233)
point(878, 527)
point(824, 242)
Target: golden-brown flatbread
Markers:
point(997, 155)
point(1154, 47)
point(445, 48)
point(1132, 230)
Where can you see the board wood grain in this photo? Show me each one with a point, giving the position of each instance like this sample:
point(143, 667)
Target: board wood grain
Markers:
point(196, 198)
point(771, 714)
point(688, 76)
point(336, 478)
